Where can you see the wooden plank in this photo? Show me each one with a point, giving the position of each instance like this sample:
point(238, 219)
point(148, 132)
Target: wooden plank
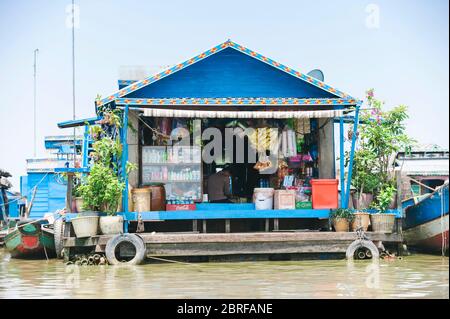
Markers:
point(208, 249)
point(181, 238)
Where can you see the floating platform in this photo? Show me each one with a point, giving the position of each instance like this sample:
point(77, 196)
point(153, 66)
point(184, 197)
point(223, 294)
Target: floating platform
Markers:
point(222, 244)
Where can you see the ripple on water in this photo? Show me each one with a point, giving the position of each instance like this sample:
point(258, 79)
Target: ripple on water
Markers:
point(417, 276)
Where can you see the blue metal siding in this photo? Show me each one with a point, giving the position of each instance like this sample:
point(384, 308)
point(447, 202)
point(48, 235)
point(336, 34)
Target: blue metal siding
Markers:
point(50, 195)
point(230, 73)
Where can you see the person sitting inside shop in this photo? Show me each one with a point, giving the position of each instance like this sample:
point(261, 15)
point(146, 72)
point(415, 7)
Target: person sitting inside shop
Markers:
point(219, 187)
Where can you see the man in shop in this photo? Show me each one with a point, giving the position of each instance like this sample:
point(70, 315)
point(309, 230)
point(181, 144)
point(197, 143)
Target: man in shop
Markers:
point(219, 186)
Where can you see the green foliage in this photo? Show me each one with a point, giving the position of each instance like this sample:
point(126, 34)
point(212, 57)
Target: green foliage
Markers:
point(343, 213)
point(106, 150)
point(102, 189)
point(384, 198)
point(382, 136)
point(364, 178)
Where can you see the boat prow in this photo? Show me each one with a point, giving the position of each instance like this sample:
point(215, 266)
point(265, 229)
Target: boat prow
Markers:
point(30, 239)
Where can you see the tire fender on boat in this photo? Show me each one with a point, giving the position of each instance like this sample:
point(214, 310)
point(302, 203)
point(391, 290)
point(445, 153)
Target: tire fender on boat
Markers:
point(58, 227)
point(354, 246)
point(133, 239)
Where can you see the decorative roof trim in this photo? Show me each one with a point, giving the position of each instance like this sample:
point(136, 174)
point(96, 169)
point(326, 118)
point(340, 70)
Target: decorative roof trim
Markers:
point(235, 101)
point(227, 44)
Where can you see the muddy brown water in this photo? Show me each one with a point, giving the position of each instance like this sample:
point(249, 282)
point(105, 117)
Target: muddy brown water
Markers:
point(416, 276)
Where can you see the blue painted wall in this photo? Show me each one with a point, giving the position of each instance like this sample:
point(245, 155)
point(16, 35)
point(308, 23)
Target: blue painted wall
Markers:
point(50, 195)
point(230, 73)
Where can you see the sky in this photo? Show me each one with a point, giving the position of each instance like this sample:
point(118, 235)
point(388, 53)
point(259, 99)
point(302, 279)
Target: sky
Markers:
point(398, 47)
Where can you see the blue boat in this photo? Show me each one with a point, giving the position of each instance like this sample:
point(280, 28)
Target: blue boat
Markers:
point(426, 221)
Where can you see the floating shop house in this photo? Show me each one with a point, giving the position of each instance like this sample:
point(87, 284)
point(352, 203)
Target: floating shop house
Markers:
point(230, 86)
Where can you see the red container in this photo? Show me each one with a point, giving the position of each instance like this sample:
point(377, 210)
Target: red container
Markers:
point(324, 193)
point(180, 207)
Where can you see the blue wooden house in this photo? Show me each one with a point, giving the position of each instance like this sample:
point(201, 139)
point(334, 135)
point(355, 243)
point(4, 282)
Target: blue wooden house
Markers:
point(230, 81)
point(42, 185)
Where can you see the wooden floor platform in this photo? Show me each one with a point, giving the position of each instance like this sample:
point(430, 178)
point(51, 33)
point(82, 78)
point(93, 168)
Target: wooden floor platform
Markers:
point(211, 244)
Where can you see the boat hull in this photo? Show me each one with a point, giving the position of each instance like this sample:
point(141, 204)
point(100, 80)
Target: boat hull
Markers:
point(429, 237)
point(426, 223)
point(30, 241)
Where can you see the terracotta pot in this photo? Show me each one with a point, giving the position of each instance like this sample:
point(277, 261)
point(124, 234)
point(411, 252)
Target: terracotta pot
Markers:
point(382, 222)
point(79, 204)
point(362, 219)
point(362, 201)
point(341, 224)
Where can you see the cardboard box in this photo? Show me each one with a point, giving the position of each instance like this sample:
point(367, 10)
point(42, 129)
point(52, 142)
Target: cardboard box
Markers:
point(284, 199)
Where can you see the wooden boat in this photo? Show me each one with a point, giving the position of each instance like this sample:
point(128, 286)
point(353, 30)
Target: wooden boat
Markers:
point(30, 239)
point(426, 221)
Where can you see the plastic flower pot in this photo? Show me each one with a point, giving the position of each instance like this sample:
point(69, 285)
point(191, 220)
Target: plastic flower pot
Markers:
point(85, 226)
point(111, 225)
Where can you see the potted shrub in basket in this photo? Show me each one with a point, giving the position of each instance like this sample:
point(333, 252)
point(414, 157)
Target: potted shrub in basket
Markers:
point(101, 193)
point(341, 219)
point(382, 221)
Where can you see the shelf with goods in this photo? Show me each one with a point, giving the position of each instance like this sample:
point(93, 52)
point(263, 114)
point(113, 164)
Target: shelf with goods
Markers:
point(179, 168)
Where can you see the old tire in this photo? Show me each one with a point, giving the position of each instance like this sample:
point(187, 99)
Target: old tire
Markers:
point(114, 242)
point(58, 227)
point(354, 246)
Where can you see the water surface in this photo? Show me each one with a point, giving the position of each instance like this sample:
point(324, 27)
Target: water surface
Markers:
point(417, 276)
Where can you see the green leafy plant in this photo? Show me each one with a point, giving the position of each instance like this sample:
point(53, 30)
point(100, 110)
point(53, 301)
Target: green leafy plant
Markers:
point(384, 197)
point(102, 189)
point(382, 136)
point(342, 213)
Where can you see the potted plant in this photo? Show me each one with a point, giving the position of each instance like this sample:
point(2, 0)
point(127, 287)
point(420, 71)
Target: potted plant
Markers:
point(76, 195)
point(382, 221)
point(341, 219)
point(365, 179)
point(383, 134)
point(362, 219)
point(102, 188)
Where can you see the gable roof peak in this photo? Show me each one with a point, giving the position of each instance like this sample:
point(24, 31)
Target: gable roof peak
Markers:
point(227, 44)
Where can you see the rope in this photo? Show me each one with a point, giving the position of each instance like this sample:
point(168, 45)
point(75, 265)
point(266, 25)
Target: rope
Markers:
point(156, 132)
point(443, 236)
point(173, 261)
point(31, 190)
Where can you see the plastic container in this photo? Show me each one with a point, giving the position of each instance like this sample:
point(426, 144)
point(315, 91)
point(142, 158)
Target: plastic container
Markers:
point(284, 199)
point(85, 226)
point(141, 199)
point(324, 193)
point(263, 198)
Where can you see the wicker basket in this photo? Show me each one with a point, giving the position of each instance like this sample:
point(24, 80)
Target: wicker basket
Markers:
point(382, 223)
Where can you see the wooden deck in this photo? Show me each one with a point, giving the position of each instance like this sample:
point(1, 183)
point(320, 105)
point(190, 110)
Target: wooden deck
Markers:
point(214, 244)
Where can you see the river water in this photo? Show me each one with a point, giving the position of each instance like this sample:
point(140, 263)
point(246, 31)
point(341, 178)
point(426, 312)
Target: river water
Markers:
point(416, 276)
